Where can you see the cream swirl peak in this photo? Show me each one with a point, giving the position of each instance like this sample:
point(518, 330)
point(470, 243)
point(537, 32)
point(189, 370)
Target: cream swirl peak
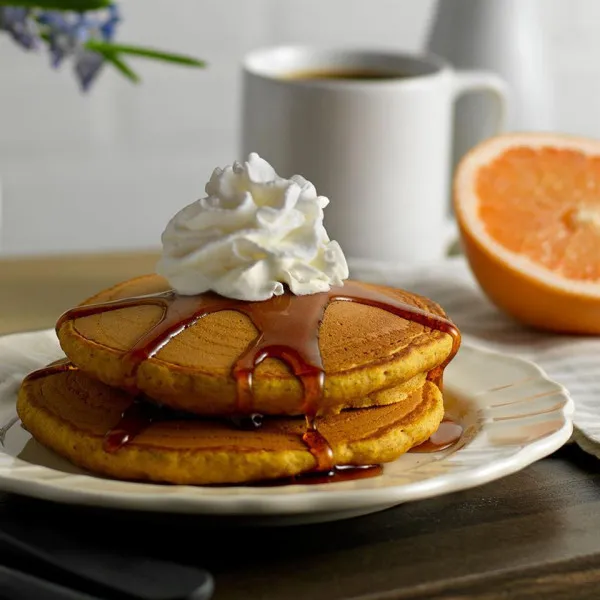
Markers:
point(252, 233)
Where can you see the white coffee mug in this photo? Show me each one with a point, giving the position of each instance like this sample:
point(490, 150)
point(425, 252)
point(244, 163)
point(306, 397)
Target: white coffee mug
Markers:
point(379, 149)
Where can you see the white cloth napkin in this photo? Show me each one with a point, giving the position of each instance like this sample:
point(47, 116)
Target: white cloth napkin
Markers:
point(572, 361)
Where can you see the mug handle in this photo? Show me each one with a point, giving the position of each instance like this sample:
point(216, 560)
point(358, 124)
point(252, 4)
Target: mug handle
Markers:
point(483, 81)
point(478, 81)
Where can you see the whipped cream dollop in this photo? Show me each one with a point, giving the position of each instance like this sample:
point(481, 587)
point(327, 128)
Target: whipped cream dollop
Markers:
point(252, 233)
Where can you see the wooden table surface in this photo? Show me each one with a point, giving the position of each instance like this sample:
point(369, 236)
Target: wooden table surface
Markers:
point(535, 534)
point(35, 291)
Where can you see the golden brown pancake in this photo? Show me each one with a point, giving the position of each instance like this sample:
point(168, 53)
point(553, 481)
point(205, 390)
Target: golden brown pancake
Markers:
point(70, 413)
point(366, 352)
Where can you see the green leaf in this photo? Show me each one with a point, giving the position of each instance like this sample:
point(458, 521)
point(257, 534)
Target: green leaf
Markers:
point(121, 66)
point(75, 5)
point(179, 59)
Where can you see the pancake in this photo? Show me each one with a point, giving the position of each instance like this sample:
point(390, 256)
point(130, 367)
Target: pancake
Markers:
point(366, 351)
point(70, 413)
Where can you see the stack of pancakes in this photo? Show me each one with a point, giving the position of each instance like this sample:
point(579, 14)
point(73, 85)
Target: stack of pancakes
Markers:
point(377, 399)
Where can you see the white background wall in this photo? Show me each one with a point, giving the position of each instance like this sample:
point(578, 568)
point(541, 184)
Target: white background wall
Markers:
point(106, 170)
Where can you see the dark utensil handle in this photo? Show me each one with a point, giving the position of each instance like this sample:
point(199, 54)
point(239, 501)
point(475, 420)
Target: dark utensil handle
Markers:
point(135, 576)
point(18, 585)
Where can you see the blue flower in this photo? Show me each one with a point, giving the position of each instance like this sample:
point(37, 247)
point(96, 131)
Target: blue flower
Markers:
point(67, 34)
point(58, 32)
point(20, 25)
point(85, 38)
point(107, 28)
point(87, 62)
point(87, 66)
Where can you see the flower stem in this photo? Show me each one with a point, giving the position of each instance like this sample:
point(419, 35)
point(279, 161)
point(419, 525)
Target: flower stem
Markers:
point(121, 66)
point(180, 59)
point(75, 5)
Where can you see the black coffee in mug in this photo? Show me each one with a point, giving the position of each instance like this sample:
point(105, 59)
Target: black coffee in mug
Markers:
point(349, 73)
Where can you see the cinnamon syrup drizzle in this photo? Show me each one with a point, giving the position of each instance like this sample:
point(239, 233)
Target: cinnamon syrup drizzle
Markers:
point(288, 328)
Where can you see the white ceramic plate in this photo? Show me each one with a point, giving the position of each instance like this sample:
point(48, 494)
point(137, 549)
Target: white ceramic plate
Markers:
point(512, 413)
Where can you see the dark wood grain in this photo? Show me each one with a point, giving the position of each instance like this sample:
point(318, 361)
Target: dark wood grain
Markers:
point(535, 534)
